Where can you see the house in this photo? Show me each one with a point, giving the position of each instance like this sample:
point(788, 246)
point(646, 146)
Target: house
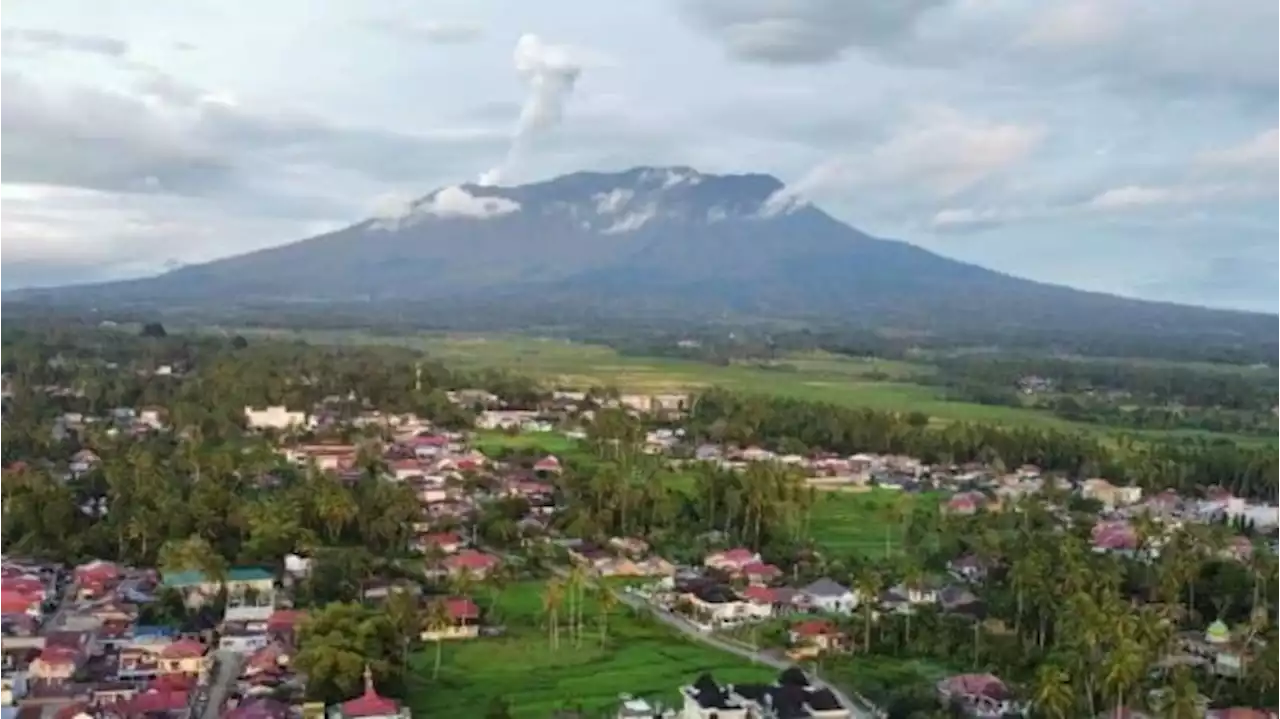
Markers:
point(369, 705)
point(15, 602)
point(469, 561)
point(826, 595)
point(156, 703)
point(1108, 494)
point(630, 546)
point(185, 656)
point(813, 637)
point(760, 573)
point(718, 605)
point(446, 542)
point(982, 696)
point(964, 503)
point(731, 561)
point(903, 598)
point(547, 465)
point(464, 621)
point(277, 417)
point(1115, 536)
point(968, 568)
point(792, 696)
point(259, 708)
point(242, 638)
point(250, 590)
point(55, 663)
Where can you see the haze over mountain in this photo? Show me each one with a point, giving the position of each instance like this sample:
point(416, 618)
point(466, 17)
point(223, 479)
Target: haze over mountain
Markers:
point(665, 242)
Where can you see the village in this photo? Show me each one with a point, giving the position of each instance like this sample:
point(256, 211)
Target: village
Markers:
point(81, 641)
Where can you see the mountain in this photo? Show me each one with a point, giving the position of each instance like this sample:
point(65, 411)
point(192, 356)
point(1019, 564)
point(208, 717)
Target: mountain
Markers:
point(659, 242)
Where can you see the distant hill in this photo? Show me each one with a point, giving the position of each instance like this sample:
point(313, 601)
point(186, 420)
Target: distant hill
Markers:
point(657, 242)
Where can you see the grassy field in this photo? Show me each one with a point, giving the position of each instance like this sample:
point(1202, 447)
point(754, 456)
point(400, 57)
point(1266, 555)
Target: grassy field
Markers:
point(493, 443)
point(640, 658)
point(872, 383)
point(846, 523)
point(813, 376)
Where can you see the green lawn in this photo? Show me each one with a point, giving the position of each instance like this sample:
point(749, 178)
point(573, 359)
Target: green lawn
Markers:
point(846, 523)
point(493, 442)
point(640, 658)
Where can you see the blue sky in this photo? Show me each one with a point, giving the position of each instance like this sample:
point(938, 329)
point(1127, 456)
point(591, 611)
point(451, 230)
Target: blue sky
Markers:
point(1119, 145)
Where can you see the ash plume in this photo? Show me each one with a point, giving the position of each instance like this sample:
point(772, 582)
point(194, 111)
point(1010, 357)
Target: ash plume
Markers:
point(550, 71)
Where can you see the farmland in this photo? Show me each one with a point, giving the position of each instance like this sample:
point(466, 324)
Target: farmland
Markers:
point(638, 657)
point(853, 382)
point(866, 523)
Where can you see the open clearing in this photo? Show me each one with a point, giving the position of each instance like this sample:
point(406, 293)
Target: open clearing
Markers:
point(640, 657)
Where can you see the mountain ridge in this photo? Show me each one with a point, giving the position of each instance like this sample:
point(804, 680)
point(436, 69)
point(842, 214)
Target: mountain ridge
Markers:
point(670, 239)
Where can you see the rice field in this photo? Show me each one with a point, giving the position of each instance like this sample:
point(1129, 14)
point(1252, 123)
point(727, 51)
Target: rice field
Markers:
point(637, 656)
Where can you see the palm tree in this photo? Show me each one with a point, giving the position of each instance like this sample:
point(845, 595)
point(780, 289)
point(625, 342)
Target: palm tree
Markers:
point(438, 621)
point(406, 615)
point(1122, 669)
point(606, 600)
point(1181, 699)
point(868, 586)
point(1052, 695)
point(552, 597)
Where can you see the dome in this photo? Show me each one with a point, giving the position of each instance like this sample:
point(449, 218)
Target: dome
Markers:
point(1217, 633)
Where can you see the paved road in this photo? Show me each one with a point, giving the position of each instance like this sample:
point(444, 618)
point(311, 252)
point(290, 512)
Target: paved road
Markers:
point(859, 707)
point(209, 701)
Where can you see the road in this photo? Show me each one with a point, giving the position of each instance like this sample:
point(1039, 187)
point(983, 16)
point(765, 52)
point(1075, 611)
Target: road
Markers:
point(209, 698)
point(859, 708)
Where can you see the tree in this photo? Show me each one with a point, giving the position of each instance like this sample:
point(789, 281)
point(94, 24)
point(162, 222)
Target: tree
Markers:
point(153, 330)
point(438, 622)
point(1052, 694)
point(606, 600)
point(405, 614)
point(338, 642)
point(194, 553)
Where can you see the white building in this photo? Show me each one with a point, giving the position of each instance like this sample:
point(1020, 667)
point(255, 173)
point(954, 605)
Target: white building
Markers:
point(274, 417)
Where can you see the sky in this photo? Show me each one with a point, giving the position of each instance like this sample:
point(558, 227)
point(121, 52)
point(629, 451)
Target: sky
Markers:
point(1125, 146)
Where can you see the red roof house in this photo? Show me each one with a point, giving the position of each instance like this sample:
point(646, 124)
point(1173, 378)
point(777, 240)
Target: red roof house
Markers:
point(471, 561)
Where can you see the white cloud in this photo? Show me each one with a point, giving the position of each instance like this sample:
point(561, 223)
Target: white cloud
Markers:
point(804, 31)
point(632, 221)
point(455, 201)
point(437, 32)
point(938, 148)
point(610, 202)
point(1260, 152)
point(1141, 196)
point(1073, 24)
point(17, 41)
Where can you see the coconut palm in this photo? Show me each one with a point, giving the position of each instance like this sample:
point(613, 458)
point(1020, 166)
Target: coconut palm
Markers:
point(1053, 697)
point(437, 621)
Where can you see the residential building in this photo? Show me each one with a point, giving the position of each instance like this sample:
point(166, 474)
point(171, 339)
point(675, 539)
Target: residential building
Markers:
point(790, 697)
point(827, 595)
point(250, 590)
point(276, 417)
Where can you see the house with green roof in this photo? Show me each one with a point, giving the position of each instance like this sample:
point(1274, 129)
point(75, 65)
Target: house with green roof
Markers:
point(250, 591)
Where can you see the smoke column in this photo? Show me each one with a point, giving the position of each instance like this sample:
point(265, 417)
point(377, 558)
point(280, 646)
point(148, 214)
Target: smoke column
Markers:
point(550, 71)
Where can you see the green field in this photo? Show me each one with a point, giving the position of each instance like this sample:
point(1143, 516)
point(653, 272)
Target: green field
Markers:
point(814, 376)
point(640, 658)
point(492, 443)
point(847, 523)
